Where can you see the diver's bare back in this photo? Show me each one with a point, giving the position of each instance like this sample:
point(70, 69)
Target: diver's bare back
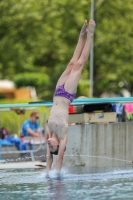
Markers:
point(58, 114)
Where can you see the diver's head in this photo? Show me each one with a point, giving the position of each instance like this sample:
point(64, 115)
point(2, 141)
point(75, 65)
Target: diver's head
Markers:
point(53, 145)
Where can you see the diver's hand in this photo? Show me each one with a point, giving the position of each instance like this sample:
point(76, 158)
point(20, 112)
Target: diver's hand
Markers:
point(47, 176)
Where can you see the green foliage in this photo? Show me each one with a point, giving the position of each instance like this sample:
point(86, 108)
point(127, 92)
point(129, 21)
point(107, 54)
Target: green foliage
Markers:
point(38, 39)
point(34, 79)
point(35, 33)
point(83, 88)
point(113, 46)
point(41, 81)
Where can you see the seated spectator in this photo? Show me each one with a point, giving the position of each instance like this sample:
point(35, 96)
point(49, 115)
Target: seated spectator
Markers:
point(7, 138)
point(30, 127)
point(29, 130)
point(5, 134)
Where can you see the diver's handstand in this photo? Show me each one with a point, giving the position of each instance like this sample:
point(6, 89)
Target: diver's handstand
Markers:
point(64, 94)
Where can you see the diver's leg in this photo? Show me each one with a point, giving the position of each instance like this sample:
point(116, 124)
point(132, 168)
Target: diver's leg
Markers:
point(73, 79)
point(81, 42)
point(49, 161)
point(60, 156)
point(76, 55)
point(49, 158)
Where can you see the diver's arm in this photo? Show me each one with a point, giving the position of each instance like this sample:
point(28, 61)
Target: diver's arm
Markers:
point(33, 133)
point(60, 156)
point(49, 161)
point(81, 43)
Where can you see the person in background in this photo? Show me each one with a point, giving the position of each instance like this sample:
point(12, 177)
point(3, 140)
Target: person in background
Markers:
point(118, 108)
point(29, 130)
point(30, 127)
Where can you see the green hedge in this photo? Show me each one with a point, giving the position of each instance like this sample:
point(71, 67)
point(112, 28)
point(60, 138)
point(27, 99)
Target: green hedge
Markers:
point(31, 79)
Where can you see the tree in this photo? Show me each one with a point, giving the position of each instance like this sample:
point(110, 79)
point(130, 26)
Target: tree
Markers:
point(113, 46)
point(39, 37)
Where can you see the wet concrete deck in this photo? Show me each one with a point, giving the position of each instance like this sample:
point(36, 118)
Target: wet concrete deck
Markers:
point(23, 165)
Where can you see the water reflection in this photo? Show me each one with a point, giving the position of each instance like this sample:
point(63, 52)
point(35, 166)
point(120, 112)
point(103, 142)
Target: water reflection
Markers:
point(78, 183)
point(56, 189)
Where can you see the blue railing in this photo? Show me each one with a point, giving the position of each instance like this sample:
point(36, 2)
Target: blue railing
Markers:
point(75, 102)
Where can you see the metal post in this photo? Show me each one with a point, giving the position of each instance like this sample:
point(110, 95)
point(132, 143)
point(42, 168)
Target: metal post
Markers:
point(91, 54)
point(0, 149)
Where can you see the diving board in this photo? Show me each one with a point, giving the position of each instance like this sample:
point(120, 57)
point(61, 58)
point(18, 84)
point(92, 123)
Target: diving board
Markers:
point(75, 102)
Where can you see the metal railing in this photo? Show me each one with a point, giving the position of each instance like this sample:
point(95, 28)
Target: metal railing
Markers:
point(7, 112)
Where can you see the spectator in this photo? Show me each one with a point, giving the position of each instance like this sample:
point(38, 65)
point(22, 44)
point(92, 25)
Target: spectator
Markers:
point(30, 127)
point(7, 138)
point(29, 130)
point(118, 108)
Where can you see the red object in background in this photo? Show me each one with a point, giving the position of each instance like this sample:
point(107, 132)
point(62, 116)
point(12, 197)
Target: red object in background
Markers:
point(21, 135)
point(19, 111)
point(71, 109)
point(47, 137)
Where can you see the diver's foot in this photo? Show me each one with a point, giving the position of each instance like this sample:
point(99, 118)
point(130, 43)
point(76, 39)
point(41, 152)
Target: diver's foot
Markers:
point(84, 30)
point(91, 29)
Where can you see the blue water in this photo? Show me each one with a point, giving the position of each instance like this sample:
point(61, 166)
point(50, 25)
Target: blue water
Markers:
point(77, 183)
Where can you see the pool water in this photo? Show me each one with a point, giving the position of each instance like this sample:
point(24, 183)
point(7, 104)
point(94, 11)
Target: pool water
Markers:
point(77, 183)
